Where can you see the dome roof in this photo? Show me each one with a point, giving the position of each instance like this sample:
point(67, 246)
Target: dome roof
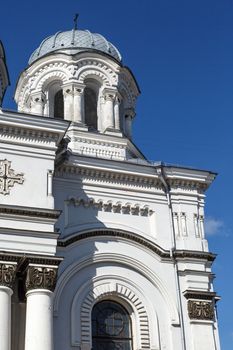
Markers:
point(79, 40)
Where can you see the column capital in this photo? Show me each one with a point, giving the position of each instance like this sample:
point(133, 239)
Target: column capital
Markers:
point(78, 88)
point(67, 90)
point(38, 97)
point(41, 277)
point(110, 94)
point(7, 273)
point(201, 304)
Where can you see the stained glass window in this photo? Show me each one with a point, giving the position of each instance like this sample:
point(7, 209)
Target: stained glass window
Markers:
point(111, 327)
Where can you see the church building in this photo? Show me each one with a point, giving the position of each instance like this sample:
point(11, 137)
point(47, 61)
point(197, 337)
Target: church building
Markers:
point(99, 248)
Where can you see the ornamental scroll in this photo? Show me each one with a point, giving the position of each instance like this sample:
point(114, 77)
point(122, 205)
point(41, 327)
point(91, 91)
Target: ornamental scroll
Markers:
point(201, 310)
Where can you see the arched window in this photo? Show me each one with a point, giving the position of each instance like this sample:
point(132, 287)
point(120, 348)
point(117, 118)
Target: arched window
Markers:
point(111, 327)
point(90, 103)
point(59, 105)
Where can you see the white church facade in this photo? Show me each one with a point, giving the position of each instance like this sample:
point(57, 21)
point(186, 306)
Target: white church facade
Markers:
point(99, 248)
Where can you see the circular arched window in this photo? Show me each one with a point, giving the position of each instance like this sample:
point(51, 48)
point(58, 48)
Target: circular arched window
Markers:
point(111, 327)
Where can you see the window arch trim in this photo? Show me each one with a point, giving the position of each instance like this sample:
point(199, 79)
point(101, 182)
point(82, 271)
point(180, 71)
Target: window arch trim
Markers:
point(119, 292)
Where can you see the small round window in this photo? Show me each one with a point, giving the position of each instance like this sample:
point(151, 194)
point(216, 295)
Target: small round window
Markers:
point(111, 327)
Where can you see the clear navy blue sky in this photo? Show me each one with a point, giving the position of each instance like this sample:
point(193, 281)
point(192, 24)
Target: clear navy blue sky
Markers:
point(181, 52)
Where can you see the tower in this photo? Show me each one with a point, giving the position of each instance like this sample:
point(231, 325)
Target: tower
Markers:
point(101, 249)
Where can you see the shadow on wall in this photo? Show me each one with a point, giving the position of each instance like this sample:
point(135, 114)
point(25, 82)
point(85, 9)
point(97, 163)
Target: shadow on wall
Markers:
point(91, 292)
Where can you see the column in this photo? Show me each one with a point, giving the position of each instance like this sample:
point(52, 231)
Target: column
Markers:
point(40, 284)
point(7, 277)
point(79, 104)
point(38, 100)
point(109, 111)
point(117, 113)
point(68, 102)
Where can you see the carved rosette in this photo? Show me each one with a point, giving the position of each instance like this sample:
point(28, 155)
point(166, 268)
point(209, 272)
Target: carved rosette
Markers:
point(41, 278)
point(201, 310)
point(7, 274)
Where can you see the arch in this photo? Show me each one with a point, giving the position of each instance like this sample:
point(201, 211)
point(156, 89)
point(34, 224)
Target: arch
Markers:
point(50, 77)
point(108, 288)
point(123, 260)
point(90, 73)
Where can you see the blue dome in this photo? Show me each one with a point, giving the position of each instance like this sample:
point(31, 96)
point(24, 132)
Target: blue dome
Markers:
point(79, 40)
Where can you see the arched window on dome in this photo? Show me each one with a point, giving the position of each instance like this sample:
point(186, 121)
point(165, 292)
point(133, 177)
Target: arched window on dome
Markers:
point(59, 105)
point(90, 106)
point(111, 327)
point(55, 100)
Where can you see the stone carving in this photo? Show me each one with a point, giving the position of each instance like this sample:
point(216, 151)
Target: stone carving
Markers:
point(201, 310)
point(41, 278)
point(8, 177)
point(7, 275)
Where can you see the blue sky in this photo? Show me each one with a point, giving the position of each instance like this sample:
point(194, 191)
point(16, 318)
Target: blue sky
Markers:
point(181, 52)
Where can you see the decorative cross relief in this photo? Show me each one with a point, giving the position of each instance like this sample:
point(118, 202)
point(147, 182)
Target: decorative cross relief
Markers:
point(8, 177)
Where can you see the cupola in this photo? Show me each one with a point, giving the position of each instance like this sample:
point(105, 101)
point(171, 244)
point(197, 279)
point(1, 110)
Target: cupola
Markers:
point(78, 76)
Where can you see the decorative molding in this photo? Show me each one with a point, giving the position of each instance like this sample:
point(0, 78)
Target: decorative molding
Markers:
point(187, 185)
point(29, 212)
point(135, 180)
point(199, 225)
point(165, 254)
point(201, 310)
point(118, 291)
point(8, 177)
point(40, 277)
point(194, 254)
point(98, 68)
point(110, 206)
point(196, 294)
point(26, 259)
point(11, 133)
point(102, 175)
point(7, 274)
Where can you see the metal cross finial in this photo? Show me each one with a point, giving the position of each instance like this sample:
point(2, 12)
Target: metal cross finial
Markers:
point(76, 21)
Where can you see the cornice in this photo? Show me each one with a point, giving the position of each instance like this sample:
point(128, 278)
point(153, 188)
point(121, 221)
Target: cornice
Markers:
point(185, 185)
point(164, 254)
point(102, 175)
point(15, 126)
point(25, 259)
point(29, 212)
point(201, 295)
point(10, 133)
point(192, 254)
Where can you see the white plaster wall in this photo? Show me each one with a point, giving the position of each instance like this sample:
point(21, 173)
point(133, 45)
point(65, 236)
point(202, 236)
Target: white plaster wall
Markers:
point(35, 166)
point(80, 218)
point(102, 259)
